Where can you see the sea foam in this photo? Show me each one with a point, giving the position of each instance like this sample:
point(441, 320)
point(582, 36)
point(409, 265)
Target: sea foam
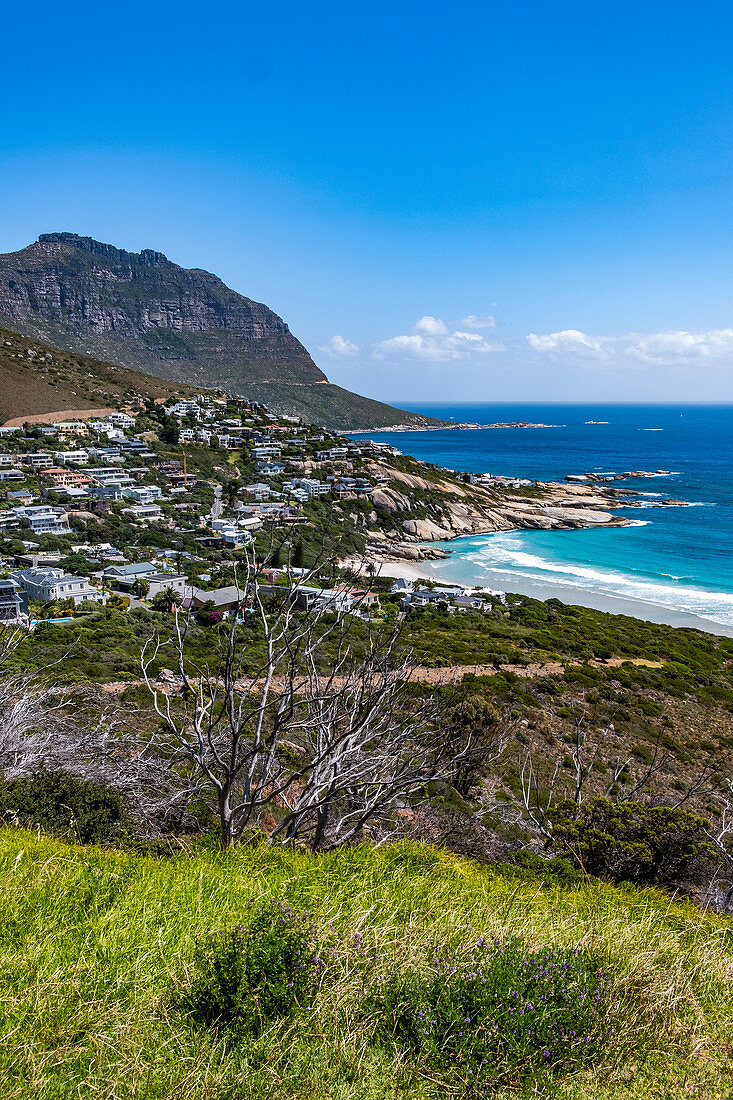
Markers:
point(506, 554)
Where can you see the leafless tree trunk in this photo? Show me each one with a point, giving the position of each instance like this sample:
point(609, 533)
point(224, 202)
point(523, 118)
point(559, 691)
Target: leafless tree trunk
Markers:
point(298, 716)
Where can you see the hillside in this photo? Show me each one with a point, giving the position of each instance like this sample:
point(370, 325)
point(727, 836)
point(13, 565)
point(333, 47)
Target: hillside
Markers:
point(143, 312)
point(36, 378)
point(95, 942)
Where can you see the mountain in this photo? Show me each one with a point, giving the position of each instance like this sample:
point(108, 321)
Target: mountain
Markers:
point(143, 312)
point(36, 379)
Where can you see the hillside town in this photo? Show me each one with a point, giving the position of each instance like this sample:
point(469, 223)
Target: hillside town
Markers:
point(154, 505)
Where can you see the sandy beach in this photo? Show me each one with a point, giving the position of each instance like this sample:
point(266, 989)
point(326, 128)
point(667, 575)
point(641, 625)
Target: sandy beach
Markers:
point(509, 582)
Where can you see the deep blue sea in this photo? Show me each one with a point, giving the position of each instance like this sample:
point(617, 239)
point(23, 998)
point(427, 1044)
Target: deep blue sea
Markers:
point(678, 560)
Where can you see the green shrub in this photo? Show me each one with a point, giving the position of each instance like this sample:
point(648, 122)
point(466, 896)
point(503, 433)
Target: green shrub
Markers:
point(498, 1013)
point(648, 845)
point(254, 973)
point(61, 804)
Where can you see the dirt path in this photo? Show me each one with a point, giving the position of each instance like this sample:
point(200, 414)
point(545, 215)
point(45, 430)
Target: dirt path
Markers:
point(455, 673)
point(55, 417)
point(450, 675)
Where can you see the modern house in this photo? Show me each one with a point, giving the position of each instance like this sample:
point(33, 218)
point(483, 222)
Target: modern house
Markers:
point(40, 460)
point(41, 518)
point(267, 450)
point(121, 420)
point(333, 454)
point(143, 494)
point(309, 485)
point(13, 603)
point(322, 599)
point(258, 491)
point(144, 511)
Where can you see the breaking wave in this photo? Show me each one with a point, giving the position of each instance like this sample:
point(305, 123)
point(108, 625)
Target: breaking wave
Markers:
point(507, 554)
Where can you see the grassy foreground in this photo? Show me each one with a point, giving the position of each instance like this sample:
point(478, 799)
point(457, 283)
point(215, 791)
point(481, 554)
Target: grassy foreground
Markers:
point(92, 942)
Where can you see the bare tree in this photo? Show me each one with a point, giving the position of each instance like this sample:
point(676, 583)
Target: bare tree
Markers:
point(629, 781)
point(299, 715)
point(589, 752)
point(46, 727)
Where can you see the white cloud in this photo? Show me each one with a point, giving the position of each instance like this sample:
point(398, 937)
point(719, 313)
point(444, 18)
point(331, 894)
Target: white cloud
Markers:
point(632, 349)
point(470, 337)
point(569, 340)
point(431, 326)
point(436, 341)
point(409, 345)
point(680, 346)
point(478, 322)
point(339, 348)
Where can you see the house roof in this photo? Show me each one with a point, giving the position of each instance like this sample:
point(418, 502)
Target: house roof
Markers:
point(48, 577)
point(219, 596)
point(133, 569)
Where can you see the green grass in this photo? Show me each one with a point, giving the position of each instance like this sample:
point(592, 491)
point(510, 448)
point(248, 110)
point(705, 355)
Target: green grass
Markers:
point(92, 942)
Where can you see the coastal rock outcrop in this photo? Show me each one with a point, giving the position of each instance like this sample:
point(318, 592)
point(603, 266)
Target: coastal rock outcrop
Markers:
point(426, 530)
point(389, 501)
point(456, 509)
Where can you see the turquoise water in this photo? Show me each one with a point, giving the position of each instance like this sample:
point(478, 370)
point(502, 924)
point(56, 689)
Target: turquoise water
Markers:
point(676, 558)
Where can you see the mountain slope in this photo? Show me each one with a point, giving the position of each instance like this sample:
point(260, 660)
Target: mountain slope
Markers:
point(36, 379)
point(141, 311)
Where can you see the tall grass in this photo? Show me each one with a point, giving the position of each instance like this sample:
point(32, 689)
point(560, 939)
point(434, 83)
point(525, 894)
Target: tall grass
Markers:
point(93, 942)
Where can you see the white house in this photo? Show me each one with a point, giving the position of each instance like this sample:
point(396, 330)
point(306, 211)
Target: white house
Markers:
point(311, 486)
point(43, 518)
point(144, 511)
point(74, 458)
point(121, 420)
point(143, 494)
point(267, 450)
point(54, 584)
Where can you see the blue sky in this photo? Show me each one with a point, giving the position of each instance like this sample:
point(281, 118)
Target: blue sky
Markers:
point(465, 202)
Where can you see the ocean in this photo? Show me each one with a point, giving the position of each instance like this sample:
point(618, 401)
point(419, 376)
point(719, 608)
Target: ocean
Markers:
point(671, 565)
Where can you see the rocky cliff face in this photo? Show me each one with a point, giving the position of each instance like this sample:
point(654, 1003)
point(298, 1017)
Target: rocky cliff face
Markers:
point(142, 311)
point(149, 311)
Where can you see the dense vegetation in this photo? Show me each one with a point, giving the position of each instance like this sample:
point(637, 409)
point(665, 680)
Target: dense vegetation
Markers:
point(551, 672)
point(59, 803)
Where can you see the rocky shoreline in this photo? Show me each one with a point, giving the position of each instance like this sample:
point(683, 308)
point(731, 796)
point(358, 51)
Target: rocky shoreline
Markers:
point(397, 533)
point(450, 425)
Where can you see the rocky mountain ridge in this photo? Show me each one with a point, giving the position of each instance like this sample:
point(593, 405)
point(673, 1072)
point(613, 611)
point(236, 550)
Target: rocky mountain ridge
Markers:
point(146, 313)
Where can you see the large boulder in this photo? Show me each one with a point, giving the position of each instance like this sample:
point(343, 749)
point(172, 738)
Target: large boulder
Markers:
point(389, 501)
point(425, 530)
